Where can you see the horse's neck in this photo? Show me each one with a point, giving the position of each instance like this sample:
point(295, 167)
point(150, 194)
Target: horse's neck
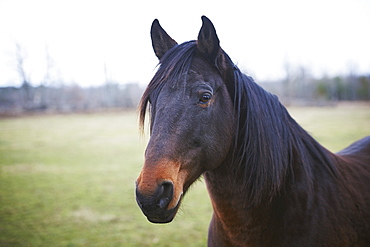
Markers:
point(234, 219)
point(233, 208)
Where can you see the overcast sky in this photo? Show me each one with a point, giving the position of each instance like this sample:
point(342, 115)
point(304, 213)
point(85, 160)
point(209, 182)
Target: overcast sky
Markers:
point(89, 41)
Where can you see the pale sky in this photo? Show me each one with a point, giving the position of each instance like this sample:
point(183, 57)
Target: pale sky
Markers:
point(84, 37)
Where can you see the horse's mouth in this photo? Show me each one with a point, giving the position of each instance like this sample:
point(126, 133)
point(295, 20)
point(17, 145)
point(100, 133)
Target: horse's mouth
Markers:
point(159, 216)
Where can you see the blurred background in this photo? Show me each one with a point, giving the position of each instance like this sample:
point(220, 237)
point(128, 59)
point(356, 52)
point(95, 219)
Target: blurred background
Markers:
point(63, 56)
point(68, 179)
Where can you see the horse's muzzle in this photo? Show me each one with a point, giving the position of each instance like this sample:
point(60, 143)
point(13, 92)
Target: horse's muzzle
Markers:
point(155, 206)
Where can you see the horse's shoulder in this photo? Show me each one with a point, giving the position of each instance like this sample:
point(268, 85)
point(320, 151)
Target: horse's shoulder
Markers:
point(359, 148)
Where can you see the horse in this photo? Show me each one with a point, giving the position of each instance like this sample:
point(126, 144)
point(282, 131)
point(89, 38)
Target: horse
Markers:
point(270, 182)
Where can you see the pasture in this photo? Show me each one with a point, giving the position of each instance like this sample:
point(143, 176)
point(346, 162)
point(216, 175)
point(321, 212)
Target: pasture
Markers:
point(68, 180)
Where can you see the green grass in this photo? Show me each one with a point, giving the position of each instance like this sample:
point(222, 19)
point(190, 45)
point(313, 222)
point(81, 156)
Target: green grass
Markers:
point(68, 180)
point(335, 127)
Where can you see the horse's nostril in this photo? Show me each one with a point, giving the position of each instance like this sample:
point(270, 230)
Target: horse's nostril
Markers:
point(163, 202)
point(165, 194)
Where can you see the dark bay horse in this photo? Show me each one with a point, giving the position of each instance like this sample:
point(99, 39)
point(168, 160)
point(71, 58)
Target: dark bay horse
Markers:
point(270, 182)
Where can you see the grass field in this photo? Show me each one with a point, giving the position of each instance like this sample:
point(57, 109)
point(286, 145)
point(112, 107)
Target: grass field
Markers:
point(68, 180)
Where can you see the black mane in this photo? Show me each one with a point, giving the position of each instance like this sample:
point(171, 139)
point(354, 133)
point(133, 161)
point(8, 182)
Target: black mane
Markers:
point(268, 142)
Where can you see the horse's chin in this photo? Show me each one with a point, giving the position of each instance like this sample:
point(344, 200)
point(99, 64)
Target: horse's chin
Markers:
point(156, 220)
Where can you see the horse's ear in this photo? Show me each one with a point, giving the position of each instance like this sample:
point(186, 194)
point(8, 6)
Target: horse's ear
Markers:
point(208, 43)
point(161, 41)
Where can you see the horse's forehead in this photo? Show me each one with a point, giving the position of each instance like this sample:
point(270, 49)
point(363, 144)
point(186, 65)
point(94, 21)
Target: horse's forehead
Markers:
point(201, 70)
point(195, 74)
point(200, 64)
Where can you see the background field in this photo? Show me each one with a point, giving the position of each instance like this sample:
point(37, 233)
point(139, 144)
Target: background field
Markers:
point(68, 180)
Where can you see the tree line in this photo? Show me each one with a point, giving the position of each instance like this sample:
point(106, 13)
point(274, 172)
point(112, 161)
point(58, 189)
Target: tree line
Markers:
point(68, 98)
point(53, 96)
point(297, 88)
point(300, 87)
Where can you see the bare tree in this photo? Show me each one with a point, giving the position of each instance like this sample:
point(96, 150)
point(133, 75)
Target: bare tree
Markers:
point(49, 67)
point(20, 56)
point(26, 88)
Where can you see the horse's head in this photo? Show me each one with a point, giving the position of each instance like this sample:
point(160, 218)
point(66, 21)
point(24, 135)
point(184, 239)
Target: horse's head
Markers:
point(191, 119)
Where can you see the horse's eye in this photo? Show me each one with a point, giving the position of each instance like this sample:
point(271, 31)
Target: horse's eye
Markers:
point(205, 98)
